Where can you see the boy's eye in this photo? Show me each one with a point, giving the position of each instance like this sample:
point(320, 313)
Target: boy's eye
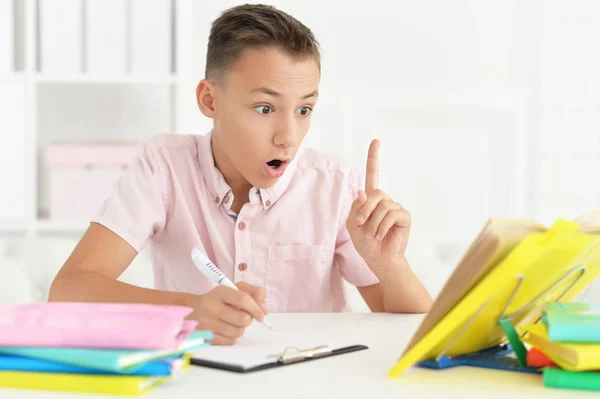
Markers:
point(263, 109)
point(304, 110)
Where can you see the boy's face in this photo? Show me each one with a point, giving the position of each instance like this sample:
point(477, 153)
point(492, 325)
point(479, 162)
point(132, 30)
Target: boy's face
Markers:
point(262, 112)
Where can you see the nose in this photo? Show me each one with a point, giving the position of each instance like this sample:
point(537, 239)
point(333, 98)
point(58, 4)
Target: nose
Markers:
point(286, 135)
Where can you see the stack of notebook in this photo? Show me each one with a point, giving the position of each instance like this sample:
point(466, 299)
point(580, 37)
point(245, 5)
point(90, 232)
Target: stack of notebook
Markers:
point(123, 349)
point(569, 339)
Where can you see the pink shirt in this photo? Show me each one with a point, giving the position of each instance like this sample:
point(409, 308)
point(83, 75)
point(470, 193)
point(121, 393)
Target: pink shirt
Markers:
point(290, 239)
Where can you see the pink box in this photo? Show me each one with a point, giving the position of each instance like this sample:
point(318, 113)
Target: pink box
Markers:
point(82, 176)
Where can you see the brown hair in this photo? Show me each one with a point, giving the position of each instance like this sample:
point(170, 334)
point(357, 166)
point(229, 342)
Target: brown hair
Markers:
point(256, 26)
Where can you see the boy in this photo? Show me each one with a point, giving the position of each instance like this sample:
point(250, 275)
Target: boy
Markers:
point(285, 224)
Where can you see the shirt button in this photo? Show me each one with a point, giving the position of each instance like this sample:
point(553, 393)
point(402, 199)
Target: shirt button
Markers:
point(242, 267)
point(268, 203)
point(217, 199)
point(226, 200)
point(242, 226)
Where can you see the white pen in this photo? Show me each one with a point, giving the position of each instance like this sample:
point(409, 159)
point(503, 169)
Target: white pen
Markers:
point(210, 270)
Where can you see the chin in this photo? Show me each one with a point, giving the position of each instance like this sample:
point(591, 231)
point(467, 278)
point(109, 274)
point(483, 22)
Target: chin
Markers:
point(267, 178)
point(264, 183)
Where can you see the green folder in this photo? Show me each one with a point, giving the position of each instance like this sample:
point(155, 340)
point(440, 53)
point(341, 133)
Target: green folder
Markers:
point(107, 359)
point(558, 378)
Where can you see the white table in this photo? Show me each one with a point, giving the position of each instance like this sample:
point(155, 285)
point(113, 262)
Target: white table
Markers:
point(360, 374)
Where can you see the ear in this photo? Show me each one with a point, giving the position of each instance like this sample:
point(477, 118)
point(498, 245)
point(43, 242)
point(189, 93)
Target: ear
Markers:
point(205, 97)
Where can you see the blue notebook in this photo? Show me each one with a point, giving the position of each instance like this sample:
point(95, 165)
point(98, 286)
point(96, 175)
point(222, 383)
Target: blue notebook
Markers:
point(496, 358)
point(121, 361)
point(156, 368)
point(573, 322)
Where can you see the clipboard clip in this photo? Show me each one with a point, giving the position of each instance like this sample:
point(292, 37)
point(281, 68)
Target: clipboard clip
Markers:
point(292, 354)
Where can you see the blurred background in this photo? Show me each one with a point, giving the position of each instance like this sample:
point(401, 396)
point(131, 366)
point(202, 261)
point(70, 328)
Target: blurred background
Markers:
point(484, 109)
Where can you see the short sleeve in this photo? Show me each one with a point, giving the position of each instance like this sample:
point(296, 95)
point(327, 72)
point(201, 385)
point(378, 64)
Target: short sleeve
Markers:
point(350, 264)
point(136, 209)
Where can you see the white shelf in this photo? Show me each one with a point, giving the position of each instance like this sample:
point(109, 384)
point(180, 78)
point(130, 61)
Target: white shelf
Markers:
point(66, 104)
point(91, 79)
point(51, 226)
point(42, 226)
point(20, 77)
point(13, 227)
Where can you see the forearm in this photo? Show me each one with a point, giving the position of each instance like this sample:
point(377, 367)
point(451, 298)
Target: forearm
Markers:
point(88, 286)
point(402, 290)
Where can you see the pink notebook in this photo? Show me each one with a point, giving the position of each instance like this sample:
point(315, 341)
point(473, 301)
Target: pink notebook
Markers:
point(95, 325)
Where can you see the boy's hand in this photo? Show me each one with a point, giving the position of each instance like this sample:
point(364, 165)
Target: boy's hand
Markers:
point(378, 226)
point(227, 312)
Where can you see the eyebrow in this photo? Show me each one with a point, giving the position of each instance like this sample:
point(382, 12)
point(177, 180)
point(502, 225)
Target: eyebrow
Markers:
point(274, 93)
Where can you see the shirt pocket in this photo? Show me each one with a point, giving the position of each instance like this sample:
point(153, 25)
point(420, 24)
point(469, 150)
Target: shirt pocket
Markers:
point(297, 278)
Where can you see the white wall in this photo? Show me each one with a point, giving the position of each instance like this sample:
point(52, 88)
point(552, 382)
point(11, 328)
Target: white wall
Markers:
point(449, 88)
point(476, 103)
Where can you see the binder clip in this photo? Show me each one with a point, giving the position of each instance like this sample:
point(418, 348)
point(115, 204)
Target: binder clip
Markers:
point(500, 357)
point(291, 354)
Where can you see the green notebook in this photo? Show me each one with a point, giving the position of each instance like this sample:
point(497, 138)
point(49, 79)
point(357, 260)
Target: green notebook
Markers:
point(107, 359)
point(573, 322)
point(558, 378)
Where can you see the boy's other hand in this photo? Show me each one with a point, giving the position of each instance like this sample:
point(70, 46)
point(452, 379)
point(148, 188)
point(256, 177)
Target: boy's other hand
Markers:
point(378, 226)
point(227, 312)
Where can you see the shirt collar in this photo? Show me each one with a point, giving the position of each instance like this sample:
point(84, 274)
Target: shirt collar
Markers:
point(219, 188)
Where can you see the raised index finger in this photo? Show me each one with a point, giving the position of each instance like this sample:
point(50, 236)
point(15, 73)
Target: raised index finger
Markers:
point(372, 175)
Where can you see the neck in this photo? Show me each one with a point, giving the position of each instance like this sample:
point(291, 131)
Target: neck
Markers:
point(234, 179)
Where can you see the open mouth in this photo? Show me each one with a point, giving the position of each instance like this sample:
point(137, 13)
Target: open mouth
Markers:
point(275, 167)
point(275, 163)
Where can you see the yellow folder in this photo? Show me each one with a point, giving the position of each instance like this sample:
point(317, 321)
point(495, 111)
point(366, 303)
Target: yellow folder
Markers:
point(87, 383)
point(511, 267)
point(571, 357)
point(126, 385)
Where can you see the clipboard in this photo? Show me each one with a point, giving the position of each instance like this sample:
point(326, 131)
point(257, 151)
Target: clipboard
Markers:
point(261, 348)
point(291, 355)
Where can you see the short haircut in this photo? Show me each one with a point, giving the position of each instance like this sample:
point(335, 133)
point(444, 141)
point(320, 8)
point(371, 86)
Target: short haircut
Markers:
point(256, 26)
